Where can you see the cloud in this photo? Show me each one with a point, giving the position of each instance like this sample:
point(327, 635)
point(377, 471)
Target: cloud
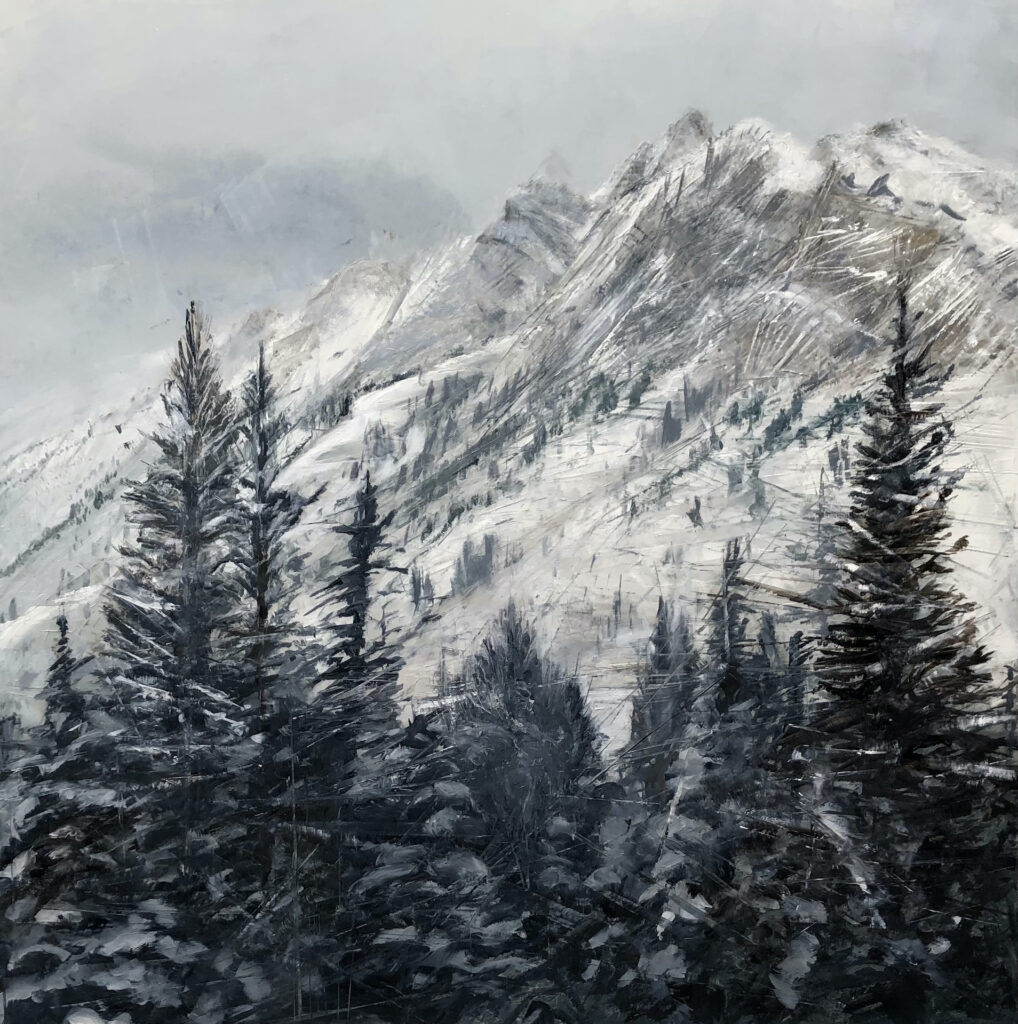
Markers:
point(116, 107)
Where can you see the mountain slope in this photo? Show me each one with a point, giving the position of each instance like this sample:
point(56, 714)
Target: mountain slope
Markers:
point(510, 393)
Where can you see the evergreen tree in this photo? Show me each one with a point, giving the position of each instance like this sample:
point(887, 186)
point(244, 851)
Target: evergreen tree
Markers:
point(528, 750)
point(662, 704)
point(172, 609)
point(717, 867)
point(671, 427)
point(824, 592)
point(511, 695)
point(730, 651)
point(912, 726)
point(274, 658)
point(71, 936)
point(270, 512)
point(65, 706)
point(500, 819)
point(341, 739)
point(172, 616)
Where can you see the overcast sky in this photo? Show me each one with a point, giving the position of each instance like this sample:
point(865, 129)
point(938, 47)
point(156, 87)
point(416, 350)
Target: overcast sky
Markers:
point(143, 112)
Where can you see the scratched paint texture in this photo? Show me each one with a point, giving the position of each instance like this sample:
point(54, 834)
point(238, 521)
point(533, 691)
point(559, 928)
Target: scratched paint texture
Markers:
point(607, 615)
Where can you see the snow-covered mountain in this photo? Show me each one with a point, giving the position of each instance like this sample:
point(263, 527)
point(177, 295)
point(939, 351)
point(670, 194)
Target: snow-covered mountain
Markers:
point(510, 393)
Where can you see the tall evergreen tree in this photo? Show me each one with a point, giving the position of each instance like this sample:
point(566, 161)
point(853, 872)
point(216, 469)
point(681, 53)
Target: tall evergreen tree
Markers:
point(171, 644)
point(911, 731)
point(273, 656)
point(270, 512)
point(341, 738)
point(172, 609)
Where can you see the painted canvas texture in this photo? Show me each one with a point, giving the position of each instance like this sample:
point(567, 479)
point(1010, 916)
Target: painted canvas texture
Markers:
point(461, 563)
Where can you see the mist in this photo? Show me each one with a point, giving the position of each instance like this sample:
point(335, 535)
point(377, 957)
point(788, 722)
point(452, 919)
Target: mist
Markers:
point(242, 150)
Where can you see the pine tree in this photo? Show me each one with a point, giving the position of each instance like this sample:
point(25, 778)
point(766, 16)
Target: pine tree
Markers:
point(273, 658)
point(64, 704)
point(671, 428)
point(63, 883)
point(172, 616)
point(172, 607)
point(729, 649)
point(500, 818)
point(819, 550)
point(528, 750)
point(341, 740)
point(270, 512)
point(722, 874)
point(662, 704)
point(911, 731)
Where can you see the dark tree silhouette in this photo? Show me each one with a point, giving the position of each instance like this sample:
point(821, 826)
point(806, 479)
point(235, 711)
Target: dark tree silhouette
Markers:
point(912, 725)
point(336, 808)
point(270, 512)
point(663, 704)
point(173, 615)
point(62, 879)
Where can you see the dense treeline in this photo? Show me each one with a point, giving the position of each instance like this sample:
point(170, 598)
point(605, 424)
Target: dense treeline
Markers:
point(224, 817)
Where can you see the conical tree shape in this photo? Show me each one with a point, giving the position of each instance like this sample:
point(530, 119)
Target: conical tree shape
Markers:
point(274, 662)
point(171, 657)
point(498, 833)
point(662, 704)
point(528, 752)
point(172, 609)
point(340, 740)
point(66, 890)
point(65, 706)
point(719, 878)
point(269, 513)
point(909, 729)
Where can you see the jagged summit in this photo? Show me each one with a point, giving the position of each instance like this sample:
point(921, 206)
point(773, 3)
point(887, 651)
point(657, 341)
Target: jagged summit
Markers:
point(554, 168)
point(683, 139)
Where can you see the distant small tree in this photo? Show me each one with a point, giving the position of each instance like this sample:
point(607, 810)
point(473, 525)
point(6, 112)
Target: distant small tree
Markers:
point(671, 428)
point(662, 704)
point(65, 705)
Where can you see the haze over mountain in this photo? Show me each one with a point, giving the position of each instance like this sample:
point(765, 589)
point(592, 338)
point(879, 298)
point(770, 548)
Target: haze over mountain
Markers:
point(114, 115)
point(135, 231)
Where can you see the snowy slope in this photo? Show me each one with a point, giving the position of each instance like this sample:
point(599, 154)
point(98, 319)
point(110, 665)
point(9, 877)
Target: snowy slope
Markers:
point(512, 386)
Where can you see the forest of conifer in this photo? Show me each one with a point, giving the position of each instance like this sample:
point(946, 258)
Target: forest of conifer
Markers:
point(226, 816)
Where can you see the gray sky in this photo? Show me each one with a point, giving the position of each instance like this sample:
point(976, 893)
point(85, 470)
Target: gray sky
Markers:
point(157, 147)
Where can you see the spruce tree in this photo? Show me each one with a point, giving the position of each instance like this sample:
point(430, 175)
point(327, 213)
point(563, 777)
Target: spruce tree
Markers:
point(341, 737)
point(269, 513)
point(499, 823)
point(273, 654)
point(63, 879)
point(65, 705)
point(722, 879)
point(528, 751)
point(173, 619)
point(911, 729)
point(662, 704)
